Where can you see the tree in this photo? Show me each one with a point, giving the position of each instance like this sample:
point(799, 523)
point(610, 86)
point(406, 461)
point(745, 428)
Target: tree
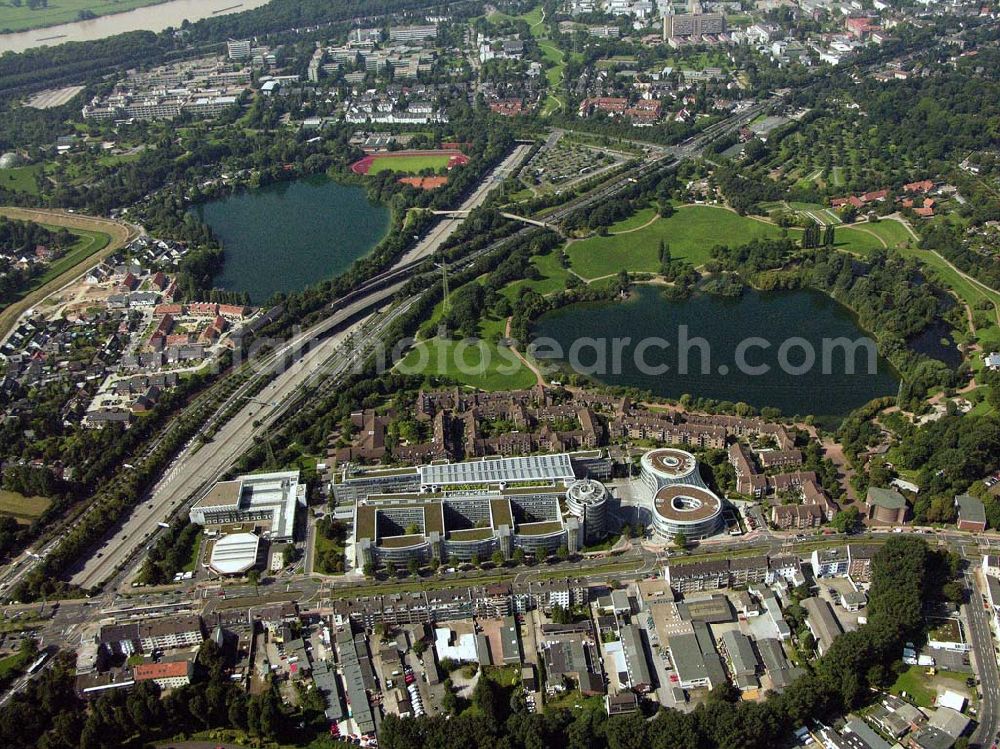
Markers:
point(562, 553)
point(390, 569)
point(414, 567)
point(624, 281)
point(680, 540)
point(449, 702)
point(829, 237)
point(253, 576)
point(419, 647)
point(368, 569)
point(847, 521)
point(518, 556)
point(474, 560)
point(561, 615)
point(498, 558)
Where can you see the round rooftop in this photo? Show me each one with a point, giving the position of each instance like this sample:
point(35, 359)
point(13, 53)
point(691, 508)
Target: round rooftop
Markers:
point(587, 491)
point(686, 504)
point(235, 553)
point(669, 463)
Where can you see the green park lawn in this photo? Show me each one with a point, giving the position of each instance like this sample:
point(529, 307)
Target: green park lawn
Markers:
point(636, 221)
point(482, 364)
point(409, 164)
point(64, 11)
point(20, 178)
point(691, 233)
point(552, 277)
point(21, 508)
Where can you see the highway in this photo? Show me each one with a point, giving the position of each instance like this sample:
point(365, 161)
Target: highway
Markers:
point(444, 228)
point(984, 652)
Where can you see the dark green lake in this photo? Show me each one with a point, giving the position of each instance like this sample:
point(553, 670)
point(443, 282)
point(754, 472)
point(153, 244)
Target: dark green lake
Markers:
point(798, 320)
point(286, 236)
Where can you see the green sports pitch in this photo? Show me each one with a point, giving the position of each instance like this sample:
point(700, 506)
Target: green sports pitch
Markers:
point(409, 164)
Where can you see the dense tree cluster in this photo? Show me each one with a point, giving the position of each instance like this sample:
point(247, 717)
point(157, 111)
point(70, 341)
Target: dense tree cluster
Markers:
point(47, 713)
point(949, 455)
point(171, 552)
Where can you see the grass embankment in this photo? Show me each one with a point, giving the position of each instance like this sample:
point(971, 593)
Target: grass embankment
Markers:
point(23, 509)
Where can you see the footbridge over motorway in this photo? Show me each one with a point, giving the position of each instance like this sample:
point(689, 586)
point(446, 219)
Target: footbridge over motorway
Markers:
point(511, 216)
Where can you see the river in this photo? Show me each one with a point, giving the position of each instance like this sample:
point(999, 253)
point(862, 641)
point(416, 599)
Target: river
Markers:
point(148, 18)
point(800, 319)
point(286, 236)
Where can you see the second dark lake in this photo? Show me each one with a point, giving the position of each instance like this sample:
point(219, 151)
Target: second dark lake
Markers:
point(799, 319)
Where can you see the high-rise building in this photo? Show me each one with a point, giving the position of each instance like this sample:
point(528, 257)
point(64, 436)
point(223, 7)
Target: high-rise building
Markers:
point(693, 24)
point(238, 49)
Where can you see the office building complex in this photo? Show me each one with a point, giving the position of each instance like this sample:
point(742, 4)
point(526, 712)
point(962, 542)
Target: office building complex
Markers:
point(681, 501)
point(474, 509)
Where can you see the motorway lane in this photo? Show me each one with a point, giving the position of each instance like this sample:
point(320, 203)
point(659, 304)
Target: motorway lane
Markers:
point(986, 665)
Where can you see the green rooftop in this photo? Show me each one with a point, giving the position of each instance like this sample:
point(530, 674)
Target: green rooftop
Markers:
point(471, 534)
point(501, 513)
point(365, 523)
point(539, 529)
point(401, 542)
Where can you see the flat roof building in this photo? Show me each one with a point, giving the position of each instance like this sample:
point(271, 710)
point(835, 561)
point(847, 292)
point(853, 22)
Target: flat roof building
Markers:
point(167, 674)
point(635, 658)
point(498, 471)
point(270, 498)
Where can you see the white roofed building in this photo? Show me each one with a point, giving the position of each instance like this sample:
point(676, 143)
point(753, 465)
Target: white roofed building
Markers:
point(235, 553)
point(270, 498)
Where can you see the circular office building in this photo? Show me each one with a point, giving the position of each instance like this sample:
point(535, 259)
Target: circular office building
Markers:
point(692, 510)
point(587, 500)
point(668, 466)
